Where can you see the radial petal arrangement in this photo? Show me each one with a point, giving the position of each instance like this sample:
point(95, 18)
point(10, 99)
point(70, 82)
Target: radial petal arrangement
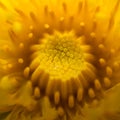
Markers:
point(57, 57)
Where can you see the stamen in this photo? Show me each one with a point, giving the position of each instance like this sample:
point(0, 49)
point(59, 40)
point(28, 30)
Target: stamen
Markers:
point(107, 82)
point(97, 84)
point(57, 97)
point(109, 71)
point(37, 92)
point(26, 72)
point(20, 60)
point(61, 111)
point(80, 94)
point(91, 93)
point(71, 101)
point(102, 62)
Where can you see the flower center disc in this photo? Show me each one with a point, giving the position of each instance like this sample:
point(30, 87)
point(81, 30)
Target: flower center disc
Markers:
point(61, 55)
point(61, 64)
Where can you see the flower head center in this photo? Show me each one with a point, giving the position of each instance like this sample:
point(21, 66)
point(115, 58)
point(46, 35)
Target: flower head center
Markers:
point(61, 55)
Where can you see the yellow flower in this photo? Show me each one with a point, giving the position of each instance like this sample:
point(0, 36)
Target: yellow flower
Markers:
point(59, 59)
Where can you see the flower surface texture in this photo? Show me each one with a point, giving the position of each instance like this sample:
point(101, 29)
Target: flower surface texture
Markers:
point(59, 60)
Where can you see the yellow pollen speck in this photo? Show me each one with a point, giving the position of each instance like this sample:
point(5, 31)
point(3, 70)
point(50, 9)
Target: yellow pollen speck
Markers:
point(20, 60)
point(92, 35)
point(21, 45)
point(102, 62)
point(101, 46)
point(46, 26)
point(30, 35)
point(82, 24)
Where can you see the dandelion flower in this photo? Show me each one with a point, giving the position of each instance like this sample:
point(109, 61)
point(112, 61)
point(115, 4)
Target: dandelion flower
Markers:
point(59, 59)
